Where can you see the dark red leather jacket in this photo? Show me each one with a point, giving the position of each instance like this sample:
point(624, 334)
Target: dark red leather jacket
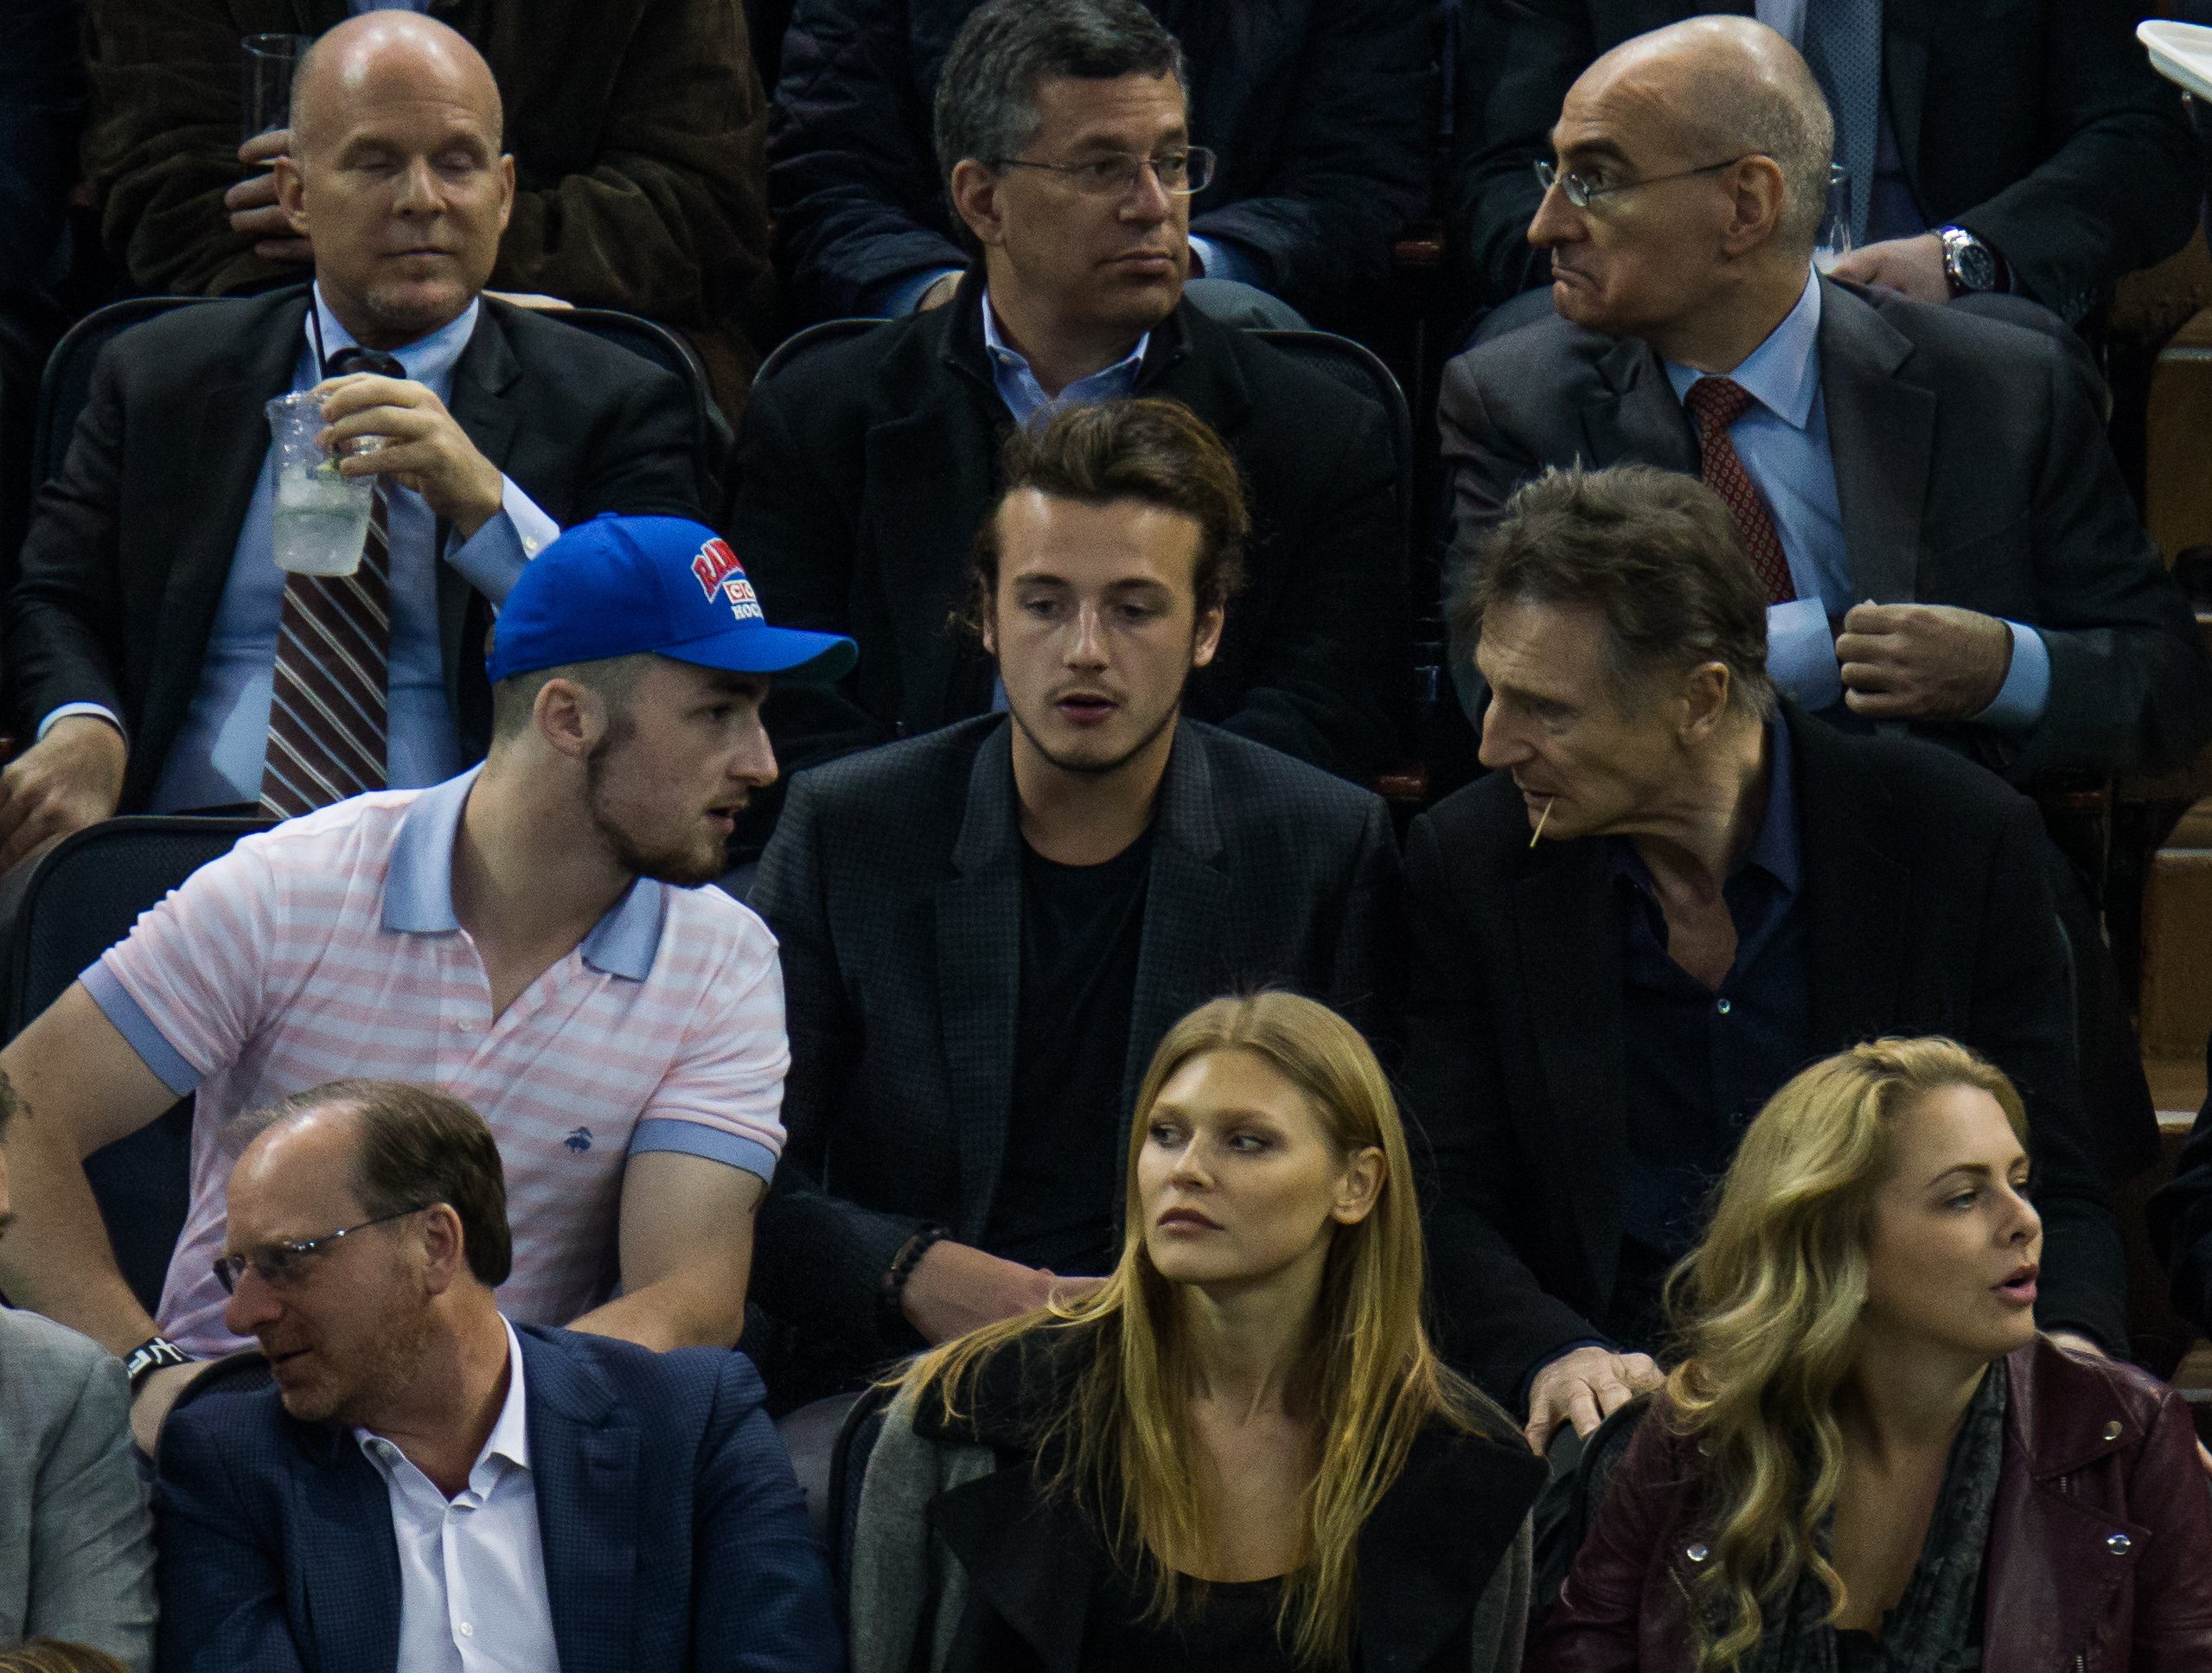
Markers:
point(2099, 1554)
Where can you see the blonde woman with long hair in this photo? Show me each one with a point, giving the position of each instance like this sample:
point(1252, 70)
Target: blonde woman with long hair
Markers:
point(1239, 1454)
point(1868, 1461)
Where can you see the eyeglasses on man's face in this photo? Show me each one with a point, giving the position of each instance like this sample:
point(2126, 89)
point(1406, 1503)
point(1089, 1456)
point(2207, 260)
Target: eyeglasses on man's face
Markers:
point(1582, 190)
point(1180, 172)
point(279, 1264)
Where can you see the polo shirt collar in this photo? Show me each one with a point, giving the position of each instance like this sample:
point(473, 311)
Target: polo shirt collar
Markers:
point(418, 888)
point(1783, 373)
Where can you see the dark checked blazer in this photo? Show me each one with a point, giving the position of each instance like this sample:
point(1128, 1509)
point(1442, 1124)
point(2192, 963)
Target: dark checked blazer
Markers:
point(893, 883)
point(676, 1537)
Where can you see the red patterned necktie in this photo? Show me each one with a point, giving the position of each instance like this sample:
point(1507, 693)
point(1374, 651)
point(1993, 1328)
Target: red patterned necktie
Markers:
point(327, 705)
point(1715, 404)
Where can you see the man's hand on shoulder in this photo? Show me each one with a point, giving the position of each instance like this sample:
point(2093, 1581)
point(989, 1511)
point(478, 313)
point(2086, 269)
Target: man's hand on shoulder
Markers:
point(1911, 266)
point(1921, 662)
point(423, 446)
point(254, 211)
point(1584, 1388)
point(70, 778)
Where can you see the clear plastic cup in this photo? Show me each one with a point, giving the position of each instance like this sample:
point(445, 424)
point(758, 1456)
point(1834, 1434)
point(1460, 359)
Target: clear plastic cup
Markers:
point(321, 517)
point(1833, 241)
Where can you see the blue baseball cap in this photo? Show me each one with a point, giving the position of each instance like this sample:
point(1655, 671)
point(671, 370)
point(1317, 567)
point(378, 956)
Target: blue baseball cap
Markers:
point(617, 586)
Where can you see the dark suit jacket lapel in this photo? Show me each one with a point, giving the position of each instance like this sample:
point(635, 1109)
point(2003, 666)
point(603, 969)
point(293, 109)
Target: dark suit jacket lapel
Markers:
point(342, 1534)
point(583, 1466)
point(1567, 927)
point(1880, 433)
point(979, 975)
point(1636, 416)
point(1856, 892)
point(223, 441)
point(1189, 360)
point(1185, 910)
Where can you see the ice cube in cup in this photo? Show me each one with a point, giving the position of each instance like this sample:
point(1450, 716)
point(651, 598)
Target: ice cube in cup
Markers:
point(320, 521)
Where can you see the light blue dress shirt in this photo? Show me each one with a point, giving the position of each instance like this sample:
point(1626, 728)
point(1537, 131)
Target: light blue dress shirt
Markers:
point(1026, 398)
point(219, 753)
point(1783, 441)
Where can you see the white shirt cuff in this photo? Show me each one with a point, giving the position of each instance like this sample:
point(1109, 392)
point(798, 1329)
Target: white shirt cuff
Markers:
point(69, 709)
point(1802, 653)
point(493, 557)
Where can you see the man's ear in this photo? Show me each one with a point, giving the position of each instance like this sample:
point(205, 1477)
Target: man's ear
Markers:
point(1705, 692)
point(443, 1247)
point(1758, 190)
point(1205, 634)
point(292, 195)
point(570, 717)
point(506, 191)
point(987, 621)
point(974, 189)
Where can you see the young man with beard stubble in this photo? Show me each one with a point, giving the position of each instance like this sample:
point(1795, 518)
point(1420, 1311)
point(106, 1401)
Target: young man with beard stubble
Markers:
point(527, 937)
point(986, 931)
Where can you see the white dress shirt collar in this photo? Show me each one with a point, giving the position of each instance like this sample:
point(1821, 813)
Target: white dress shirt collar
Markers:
point(508, 1443)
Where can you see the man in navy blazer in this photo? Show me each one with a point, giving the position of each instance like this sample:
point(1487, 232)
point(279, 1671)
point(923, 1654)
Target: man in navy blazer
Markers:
point(427, 1487)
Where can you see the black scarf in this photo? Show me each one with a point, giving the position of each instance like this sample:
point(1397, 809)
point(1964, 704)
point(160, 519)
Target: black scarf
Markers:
point(1934, 1629)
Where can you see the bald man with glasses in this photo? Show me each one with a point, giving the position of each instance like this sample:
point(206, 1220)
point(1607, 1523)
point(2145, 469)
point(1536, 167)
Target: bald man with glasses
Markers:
point(1946, 541)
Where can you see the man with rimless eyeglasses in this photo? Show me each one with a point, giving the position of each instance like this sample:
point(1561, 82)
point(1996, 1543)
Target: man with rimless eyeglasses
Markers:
point(432, 1487)
point(1063, 133)
point(1927, 492)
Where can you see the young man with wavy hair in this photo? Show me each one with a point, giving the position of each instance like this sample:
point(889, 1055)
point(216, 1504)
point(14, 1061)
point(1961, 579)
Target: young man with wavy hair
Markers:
point(986, 930)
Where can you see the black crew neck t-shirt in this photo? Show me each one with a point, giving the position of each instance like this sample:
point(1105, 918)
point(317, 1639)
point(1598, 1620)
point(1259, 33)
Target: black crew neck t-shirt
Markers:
point(1081, 930)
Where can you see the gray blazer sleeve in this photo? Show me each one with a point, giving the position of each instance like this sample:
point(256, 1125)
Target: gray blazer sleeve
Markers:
point(76, 1538)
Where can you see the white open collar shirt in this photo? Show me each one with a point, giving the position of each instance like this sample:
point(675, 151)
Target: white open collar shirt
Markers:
point(472, 1570)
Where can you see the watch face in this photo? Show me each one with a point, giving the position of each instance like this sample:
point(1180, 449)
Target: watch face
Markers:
point(1971, 264)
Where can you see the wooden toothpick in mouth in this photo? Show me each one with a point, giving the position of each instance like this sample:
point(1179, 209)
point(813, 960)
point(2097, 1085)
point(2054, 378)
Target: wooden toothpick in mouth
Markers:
point(1540, 818)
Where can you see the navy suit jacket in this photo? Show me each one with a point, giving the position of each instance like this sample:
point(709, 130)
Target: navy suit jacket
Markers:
point(675, 1534)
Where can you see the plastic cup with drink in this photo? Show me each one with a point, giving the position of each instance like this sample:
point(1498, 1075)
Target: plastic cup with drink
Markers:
point(321, 517)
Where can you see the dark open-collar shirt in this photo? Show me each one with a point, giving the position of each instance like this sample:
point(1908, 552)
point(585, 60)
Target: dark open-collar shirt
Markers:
point(1701, 1062)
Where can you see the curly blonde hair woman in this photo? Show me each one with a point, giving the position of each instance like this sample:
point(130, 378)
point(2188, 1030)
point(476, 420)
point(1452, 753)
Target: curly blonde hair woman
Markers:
point(1239, 1451)
point(1868, 1458)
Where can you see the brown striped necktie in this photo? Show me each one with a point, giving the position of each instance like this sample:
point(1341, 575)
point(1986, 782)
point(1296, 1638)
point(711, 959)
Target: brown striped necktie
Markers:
point(327, 703)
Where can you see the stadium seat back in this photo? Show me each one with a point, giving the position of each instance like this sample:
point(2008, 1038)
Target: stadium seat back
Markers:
point(68, 380)
point(81, 900)
point(650, 341)
point(800, 344)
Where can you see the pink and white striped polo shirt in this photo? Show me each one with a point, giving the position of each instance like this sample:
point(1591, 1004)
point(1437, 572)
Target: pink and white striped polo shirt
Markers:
point(327, 948)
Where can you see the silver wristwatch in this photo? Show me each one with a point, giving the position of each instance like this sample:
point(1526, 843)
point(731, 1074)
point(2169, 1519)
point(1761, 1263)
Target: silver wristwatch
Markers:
point(1968, 264)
